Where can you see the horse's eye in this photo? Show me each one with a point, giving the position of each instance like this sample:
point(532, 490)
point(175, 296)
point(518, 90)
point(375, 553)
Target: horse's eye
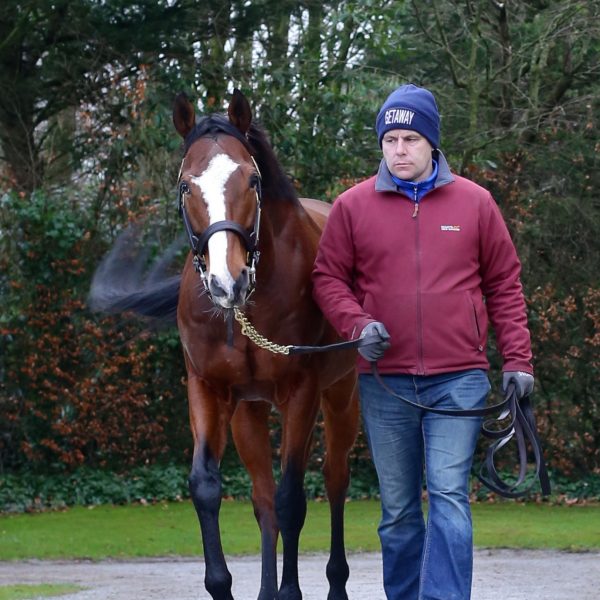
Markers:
point(254, 181)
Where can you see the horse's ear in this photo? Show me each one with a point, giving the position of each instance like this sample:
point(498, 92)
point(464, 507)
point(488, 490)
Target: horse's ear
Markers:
point(184, 116)
point(239, 111)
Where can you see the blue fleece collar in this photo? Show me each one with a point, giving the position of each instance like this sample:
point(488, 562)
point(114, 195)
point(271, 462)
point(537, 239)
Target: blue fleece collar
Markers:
point(384, 183)
point(415, 190)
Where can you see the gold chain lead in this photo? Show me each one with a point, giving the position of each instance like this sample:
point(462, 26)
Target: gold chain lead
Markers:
point(261, 341)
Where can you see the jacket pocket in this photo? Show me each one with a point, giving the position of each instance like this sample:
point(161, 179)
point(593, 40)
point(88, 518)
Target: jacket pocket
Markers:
point(478, 339)
point(454, 328)
point(481, 318)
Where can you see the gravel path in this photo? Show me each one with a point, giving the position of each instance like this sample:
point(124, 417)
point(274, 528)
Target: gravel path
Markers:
point(499, 575)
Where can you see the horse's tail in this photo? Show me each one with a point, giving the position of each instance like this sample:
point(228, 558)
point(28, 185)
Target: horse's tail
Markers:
point(121, 284)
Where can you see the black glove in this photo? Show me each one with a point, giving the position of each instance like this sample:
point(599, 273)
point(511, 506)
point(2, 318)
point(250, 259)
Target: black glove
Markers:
point(522, 381)
point(375, 342)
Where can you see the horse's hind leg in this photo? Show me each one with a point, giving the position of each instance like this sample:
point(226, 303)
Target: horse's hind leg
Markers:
point(250, 429)
point(341, 419)
point(209, 427)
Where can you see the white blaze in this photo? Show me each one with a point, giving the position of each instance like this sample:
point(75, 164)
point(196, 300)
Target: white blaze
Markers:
point(212, 185)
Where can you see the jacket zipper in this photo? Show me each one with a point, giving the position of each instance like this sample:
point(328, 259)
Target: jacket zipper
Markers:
point(416, 210)
point(420, 361)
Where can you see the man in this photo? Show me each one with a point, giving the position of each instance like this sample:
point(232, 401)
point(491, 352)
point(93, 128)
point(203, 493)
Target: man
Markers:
point(426, 256)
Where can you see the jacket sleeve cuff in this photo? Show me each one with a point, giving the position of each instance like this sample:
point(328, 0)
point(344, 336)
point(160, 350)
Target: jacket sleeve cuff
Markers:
point(511, 365)
point(359, 325)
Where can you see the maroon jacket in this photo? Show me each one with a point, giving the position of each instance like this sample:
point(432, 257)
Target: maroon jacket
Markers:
point(432, 279)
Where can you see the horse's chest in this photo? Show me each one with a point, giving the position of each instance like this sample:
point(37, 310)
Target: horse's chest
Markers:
point(248, 372)
point(256, 371)
point(255, 391)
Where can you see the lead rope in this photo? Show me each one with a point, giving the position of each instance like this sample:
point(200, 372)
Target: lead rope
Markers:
point(260, 340)
point(521, 426)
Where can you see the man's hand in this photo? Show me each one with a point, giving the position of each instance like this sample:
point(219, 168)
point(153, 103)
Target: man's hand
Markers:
point(375, 342)
point(522, 381)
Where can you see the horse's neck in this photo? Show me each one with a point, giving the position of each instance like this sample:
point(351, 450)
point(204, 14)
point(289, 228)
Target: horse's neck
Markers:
point(284, 216)
point(289, 235)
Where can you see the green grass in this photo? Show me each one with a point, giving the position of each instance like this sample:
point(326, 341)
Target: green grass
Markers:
point(172, 529)
point(25, 592)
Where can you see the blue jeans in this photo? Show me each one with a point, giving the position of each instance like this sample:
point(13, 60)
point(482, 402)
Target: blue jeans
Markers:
point(433, 562)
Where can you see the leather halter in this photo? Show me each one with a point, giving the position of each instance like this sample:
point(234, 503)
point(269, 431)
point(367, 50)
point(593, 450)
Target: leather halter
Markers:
point(199, 241)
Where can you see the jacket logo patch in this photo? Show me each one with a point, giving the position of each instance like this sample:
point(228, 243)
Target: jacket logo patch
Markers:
point(450, 227)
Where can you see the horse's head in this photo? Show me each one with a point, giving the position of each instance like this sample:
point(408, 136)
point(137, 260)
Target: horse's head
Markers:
point(219, 196)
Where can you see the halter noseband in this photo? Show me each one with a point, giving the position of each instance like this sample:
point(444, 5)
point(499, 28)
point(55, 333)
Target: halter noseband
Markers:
point(199, 242)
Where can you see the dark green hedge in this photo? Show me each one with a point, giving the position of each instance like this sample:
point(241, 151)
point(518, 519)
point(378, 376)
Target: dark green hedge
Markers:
point(26, 492)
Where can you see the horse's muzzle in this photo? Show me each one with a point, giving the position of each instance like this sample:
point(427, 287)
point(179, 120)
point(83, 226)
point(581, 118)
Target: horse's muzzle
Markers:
point(227, 294)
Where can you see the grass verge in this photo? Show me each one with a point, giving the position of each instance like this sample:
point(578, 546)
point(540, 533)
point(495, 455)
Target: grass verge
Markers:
point(171, 529)
point(24, 592)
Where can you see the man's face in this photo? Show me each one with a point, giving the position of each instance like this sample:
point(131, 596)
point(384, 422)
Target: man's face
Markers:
point(407, 154)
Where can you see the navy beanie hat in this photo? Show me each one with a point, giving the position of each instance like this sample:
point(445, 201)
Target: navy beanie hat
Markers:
point(410, 107)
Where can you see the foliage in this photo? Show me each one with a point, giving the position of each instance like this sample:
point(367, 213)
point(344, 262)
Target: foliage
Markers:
point(56, 57)
point(549, 201)
point(28, 492)
point(87, 146)
point(73, 390)
point(25, 491)
point(513, 68)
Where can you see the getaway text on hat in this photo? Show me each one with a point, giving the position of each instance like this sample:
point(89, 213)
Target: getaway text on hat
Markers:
point(398, 116)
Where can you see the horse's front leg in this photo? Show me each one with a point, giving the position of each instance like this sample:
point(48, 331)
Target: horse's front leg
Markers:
point(298, 419)
point(250, 429)
point(341, 418)
point(209, 418)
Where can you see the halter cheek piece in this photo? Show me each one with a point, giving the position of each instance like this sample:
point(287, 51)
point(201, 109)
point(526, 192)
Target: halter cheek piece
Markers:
point(199, 242)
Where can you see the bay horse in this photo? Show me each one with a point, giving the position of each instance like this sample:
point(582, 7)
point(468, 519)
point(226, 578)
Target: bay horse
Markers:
point(253, 243)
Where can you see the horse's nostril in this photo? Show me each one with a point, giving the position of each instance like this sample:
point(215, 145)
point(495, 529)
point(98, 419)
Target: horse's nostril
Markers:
point(216, 288)
point(241, 283)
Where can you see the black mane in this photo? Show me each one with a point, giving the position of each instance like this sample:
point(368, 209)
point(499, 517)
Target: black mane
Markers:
point(275, 182)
